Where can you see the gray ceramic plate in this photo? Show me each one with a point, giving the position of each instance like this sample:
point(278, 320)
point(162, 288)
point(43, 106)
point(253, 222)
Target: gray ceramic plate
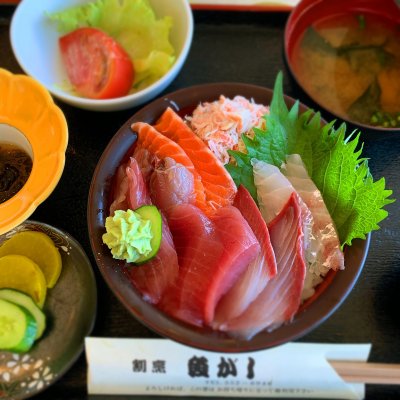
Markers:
point(70, 309)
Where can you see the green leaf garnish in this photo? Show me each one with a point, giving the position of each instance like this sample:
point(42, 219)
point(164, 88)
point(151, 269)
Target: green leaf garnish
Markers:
point(333, 161)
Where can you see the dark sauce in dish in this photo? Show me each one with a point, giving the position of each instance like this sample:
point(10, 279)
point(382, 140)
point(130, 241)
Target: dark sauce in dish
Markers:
point(15, 168)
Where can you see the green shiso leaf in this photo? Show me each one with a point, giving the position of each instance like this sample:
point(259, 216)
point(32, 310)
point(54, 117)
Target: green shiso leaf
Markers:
point(333, 161)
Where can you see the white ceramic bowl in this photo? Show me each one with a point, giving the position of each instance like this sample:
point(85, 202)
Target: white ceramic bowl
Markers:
point(34, 40)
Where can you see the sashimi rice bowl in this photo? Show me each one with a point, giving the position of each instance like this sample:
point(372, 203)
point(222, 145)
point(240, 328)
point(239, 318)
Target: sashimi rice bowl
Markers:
point(216, 217)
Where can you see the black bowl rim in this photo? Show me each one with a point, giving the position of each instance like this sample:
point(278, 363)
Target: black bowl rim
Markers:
point(289, 24)
point(306, 320)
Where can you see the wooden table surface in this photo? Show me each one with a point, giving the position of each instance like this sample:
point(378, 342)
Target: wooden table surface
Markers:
point(241, 47)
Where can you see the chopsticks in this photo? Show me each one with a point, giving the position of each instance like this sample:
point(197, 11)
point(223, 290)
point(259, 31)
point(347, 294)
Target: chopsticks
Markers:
point(362, 372)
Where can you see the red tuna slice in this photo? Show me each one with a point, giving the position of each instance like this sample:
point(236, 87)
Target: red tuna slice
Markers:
point(138, 194)
point(170, 184)
point(280, 299)
point(120, 190)
point(219, 186)
point(257, 273)
point(130, 190)
point(146, 162)
point(153, 277)
point(213, 252)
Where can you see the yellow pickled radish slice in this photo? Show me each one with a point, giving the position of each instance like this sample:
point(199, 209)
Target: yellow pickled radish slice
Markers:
point(21, 273)
point(39, 248)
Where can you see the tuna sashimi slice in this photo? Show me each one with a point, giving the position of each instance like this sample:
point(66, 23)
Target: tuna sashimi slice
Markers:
point(120, 190)
point(170, 184)
point(213, 252)
point(219, 186)
point(129, 187)
point(160, 146)
point(279, 301)
point(257, 273)
point(153, 277)
point(138, 194)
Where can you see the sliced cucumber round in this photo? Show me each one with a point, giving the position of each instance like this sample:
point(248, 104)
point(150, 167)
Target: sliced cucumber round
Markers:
point(17, 327)
point(23, 300)
point(151, 213)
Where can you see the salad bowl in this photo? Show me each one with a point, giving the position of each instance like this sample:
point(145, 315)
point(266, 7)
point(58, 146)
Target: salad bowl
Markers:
point(328, 298)
point(34, 39)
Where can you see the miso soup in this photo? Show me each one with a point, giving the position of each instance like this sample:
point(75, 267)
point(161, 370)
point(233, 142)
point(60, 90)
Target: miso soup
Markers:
point(15, 168)
point(350, 64)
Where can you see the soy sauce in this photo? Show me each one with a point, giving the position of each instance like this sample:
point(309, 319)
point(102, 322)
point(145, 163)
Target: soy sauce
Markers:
point(15, 168)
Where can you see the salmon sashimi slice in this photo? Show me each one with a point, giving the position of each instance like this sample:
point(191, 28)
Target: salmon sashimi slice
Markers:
point(219, 186)
point(153, 277)
point(160, 146)
point(279, 301)
point(213, 252)
point(257, 273)
point(171, 184)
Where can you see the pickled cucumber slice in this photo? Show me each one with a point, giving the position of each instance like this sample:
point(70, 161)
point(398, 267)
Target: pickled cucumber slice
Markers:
point(23, 300)
point(21, 273)
point(151, 213)
point(39, 248)
point(17, 327)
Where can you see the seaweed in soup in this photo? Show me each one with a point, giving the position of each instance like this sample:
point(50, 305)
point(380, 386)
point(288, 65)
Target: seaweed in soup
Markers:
point(350, 64)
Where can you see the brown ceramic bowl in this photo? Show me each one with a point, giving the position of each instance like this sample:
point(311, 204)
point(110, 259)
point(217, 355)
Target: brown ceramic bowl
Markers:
point(309, 317)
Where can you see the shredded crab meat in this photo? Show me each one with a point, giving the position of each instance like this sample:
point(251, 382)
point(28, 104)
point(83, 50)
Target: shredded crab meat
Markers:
point(220, 124)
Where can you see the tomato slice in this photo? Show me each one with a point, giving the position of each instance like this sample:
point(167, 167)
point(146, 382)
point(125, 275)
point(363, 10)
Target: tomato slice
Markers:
point(97, 66)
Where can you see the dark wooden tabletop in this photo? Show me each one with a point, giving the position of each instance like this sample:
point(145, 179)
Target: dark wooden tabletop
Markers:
point(241, 47)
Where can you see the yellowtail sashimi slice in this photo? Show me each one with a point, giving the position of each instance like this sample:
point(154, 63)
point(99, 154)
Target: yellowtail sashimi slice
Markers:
point(280, 300)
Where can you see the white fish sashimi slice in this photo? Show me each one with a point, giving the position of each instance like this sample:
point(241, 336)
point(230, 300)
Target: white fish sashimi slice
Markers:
point(326, 244)
point(280, 299)
point(273, 189)
point(273, 192)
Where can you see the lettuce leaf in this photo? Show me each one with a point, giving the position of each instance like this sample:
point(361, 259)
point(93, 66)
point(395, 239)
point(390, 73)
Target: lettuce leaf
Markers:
point(333, 161)
point(133, 24)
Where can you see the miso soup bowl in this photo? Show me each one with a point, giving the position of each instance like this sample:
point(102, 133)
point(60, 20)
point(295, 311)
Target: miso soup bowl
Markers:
point(329, 296)
point(306, 14)
point(30, 120)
